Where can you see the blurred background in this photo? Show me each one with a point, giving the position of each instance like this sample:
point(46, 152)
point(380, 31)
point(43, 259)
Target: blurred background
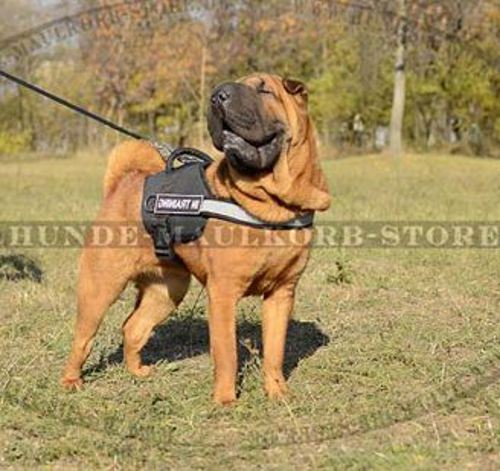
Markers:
point(150, 65)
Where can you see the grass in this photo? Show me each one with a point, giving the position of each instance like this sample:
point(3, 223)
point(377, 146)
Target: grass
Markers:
point(393, 357)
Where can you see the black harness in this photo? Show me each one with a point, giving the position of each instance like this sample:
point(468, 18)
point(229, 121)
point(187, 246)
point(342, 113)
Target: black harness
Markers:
point(177, 204)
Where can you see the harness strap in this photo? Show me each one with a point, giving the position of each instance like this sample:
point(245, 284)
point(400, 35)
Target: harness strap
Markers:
point(177, 203)
point(232, 212)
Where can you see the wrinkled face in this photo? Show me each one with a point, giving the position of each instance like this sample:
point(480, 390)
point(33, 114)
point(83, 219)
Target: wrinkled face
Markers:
point(254, 120)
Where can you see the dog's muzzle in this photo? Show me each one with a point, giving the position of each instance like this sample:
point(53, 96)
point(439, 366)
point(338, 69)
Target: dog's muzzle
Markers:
point(240, 127)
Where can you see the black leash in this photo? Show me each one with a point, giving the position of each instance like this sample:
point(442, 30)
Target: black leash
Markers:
point(76, 108)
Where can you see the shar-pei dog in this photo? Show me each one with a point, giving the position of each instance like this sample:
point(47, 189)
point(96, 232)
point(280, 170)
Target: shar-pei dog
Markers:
point(270, 168)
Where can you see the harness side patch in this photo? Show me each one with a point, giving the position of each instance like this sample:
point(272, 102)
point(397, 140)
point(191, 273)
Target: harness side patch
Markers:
point(170, 203)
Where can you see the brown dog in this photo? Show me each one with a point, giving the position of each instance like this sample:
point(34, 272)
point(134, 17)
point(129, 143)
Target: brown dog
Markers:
point(271, 169)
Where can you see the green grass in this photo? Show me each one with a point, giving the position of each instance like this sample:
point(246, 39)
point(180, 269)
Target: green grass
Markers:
point(394, 362)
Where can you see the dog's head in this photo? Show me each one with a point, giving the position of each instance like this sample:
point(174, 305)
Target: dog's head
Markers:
point(261, 124)
point(255, 119)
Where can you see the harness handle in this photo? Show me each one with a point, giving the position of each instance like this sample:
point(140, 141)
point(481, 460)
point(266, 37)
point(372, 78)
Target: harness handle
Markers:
point(187, 155)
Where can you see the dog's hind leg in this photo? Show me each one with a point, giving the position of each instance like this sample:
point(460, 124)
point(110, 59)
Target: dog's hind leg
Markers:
point(98, 288)
point(157, 299)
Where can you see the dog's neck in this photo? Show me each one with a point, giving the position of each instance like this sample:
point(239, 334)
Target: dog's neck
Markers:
point(295, 185)
point(251, 197)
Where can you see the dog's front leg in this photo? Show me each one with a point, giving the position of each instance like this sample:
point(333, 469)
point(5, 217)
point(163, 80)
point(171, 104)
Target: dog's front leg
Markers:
point(222, 326)
point(277, 308)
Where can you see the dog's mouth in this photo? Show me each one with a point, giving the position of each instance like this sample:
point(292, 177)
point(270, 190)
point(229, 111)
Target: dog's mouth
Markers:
point(241, 127)
point(246, 149)
point(249, 156)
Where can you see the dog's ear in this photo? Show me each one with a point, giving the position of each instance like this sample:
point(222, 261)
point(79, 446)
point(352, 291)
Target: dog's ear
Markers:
point(295, 87)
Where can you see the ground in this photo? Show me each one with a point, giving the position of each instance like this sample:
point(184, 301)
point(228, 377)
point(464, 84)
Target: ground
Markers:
point(393, 356)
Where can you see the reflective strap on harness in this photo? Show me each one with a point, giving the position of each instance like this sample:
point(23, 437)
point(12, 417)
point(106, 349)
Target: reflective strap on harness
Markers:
point(232, 212)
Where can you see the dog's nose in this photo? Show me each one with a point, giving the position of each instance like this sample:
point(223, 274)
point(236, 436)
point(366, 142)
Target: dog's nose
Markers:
point(221, 94)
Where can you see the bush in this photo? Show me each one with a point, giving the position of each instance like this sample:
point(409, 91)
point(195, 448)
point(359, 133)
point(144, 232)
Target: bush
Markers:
point(14, 142)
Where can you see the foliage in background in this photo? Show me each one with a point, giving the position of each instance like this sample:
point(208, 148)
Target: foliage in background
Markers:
point(155, 76)
point(14, 142)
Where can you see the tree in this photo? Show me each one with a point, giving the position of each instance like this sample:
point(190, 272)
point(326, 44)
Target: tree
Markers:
point(399, 96)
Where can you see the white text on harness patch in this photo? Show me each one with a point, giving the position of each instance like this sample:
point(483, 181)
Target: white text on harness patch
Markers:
point(178, 204)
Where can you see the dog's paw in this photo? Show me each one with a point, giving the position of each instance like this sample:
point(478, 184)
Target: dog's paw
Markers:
point(143, 371)
point(276, 388)
point(225, 398)
point(72, 384)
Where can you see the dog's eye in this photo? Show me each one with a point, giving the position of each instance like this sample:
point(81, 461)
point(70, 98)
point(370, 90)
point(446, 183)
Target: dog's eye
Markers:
point(262, 89)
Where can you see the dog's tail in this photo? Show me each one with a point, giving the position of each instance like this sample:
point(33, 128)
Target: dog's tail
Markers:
point(131, 156)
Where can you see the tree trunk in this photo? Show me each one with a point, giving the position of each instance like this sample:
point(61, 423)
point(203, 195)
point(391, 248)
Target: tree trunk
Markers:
point(201, 110)
point(20, 108)
point(398, 103)
point(152, 124)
